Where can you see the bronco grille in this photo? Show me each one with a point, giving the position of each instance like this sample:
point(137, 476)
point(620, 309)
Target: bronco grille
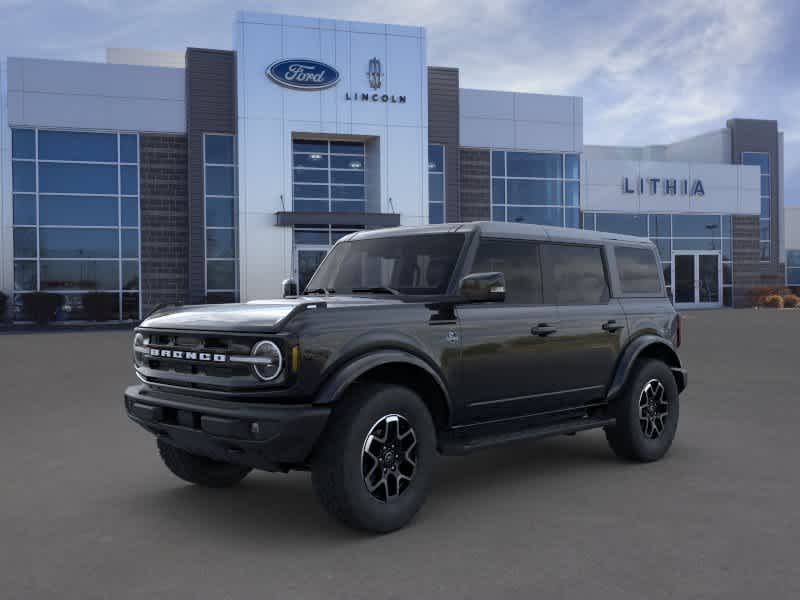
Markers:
point(214, 363)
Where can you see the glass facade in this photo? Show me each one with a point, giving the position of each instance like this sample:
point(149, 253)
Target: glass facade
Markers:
point(328, 176)
point(675, 233)
point(76, 220)
point(436, 183)
point(793, 268)
point(219, 157)
point(532, 187)
point(761, 160)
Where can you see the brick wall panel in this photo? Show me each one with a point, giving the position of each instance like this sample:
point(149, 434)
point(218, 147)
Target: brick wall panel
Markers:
point(475, 184)
point(163, 198)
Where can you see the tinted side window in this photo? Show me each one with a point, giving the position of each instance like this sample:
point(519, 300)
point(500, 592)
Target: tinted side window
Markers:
point(519, 262)
point(638, 270)
point(574, 274)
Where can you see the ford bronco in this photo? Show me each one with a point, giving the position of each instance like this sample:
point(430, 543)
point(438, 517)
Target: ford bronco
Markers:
point(414, 341)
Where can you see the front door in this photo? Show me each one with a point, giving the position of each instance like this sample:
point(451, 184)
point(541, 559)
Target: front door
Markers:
point(697, 279)
point(307, 259)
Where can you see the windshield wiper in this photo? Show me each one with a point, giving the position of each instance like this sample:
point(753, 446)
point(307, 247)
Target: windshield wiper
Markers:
point(378, 289)
point(322, 290)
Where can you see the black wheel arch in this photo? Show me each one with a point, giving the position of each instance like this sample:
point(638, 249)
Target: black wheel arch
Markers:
point(394, 366)
point(646, 346)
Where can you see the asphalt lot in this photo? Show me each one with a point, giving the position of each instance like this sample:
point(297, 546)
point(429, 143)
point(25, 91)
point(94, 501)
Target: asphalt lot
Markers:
point(88, 511)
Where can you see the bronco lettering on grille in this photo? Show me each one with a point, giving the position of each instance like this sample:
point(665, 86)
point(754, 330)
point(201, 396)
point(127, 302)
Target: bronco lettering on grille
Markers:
point(182, 355)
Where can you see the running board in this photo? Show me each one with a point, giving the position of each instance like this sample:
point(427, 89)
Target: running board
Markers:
point(459, 443)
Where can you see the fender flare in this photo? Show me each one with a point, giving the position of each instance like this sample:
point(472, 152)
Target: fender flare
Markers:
point(337, 383)
point(633, 350)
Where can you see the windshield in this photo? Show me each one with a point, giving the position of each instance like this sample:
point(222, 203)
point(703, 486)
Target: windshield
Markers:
point(408, 265)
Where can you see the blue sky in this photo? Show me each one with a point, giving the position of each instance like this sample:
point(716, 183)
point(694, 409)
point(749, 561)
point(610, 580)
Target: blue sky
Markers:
point(649, 72)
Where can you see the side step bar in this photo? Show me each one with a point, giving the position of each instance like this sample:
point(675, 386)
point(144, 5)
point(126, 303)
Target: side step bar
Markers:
point(456, 444)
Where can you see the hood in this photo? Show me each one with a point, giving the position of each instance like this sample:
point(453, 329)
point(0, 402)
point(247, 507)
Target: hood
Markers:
point(258, 316)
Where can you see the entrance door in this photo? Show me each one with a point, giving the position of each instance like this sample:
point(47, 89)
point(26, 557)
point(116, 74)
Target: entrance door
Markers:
point(307, 259)
point(697, 279)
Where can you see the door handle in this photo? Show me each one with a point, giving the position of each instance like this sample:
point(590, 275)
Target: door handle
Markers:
point(543, 329)
point(612, 326)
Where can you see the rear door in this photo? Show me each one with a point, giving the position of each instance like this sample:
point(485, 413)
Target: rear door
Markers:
point(508, 368)
point(592, 325)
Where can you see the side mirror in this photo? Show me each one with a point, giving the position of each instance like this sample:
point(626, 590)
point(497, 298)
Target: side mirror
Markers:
point(483, 287)
point(288, 288)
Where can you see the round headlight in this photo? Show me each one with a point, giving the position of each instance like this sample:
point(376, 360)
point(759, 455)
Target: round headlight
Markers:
point(268, 360)
point(138, 349)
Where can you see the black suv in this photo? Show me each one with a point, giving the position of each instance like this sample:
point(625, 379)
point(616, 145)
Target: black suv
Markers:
point(412, 341)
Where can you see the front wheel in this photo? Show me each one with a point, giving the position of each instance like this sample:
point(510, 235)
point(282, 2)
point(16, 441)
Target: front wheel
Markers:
point(373, 467)
point(199, 469)
point(646, 413)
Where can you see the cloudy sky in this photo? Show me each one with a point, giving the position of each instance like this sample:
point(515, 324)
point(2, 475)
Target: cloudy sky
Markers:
point(649, 72)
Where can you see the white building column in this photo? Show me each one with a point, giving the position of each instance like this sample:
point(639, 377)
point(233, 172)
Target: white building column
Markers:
point(6, 198)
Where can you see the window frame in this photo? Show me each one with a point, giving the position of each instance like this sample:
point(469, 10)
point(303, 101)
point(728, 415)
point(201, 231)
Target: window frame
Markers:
point(443, 173)
point(119, 227)
point(333, 204)
point(762, 242)
point(792, 268)
point(234, 227)
point(499, 157)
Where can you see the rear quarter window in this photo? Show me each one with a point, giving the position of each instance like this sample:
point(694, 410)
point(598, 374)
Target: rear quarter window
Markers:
point(638, 270)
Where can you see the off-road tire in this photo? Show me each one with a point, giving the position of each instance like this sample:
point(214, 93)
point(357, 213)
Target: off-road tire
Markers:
point(199, 469)
point(628, 438)
point(337, 467)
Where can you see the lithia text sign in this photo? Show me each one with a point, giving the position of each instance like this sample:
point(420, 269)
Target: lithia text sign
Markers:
point(668, 187)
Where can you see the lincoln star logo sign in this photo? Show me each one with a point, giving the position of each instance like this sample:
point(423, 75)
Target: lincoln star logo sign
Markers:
point(303, 74)
point(375, 80)
point(374, 73)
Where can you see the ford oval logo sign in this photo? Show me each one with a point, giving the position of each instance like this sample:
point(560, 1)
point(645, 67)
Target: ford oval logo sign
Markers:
point(303, 74)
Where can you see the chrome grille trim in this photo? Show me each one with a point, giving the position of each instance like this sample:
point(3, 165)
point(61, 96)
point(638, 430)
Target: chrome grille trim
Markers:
point(251, 360)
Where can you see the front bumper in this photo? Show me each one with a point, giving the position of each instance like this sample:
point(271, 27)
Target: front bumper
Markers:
point(264, 436)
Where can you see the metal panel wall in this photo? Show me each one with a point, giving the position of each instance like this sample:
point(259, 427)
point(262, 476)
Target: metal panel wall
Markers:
point(88, 95)
point(513, 120)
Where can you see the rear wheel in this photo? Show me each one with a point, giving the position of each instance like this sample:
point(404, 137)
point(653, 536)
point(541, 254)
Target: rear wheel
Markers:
point(646, 413)
point(373, 467)
point(199, 469)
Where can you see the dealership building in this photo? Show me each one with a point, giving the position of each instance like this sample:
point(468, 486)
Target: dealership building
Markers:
point(212, 175)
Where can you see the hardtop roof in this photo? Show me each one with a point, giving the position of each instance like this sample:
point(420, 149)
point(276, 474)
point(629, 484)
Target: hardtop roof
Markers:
point(524, 231)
